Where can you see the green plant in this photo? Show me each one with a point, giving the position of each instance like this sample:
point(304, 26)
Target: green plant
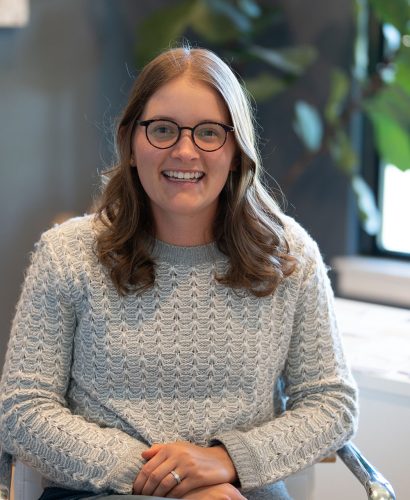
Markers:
point(382, 95)
point(234, 27)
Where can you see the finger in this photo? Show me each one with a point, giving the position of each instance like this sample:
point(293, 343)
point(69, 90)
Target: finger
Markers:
point(180, 490)
point(160, 477)
point(186, 485)
point(167, 485)
point(148, 454)
point(147, 470)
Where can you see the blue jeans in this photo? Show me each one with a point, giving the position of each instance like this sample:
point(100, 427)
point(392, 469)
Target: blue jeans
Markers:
point(275, 491)
point(65, 494)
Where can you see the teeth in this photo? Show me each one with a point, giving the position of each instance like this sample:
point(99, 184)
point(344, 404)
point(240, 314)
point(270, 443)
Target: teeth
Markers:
point(183, 175)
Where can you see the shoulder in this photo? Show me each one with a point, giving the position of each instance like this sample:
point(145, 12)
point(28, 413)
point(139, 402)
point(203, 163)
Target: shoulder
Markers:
point(303, 247)
point(77, 227)
point(75, 237)
point(297, 236)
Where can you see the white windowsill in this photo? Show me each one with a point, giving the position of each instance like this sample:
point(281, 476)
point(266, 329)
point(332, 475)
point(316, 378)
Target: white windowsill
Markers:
point(377, 343)
point(373, 279)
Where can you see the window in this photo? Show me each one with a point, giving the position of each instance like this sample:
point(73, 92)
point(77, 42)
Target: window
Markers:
point(371, 276)
point(394, 201)
point(391, 185)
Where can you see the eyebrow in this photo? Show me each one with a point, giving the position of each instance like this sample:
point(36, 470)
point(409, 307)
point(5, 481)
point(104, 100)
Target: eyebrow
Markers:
point(206, 120)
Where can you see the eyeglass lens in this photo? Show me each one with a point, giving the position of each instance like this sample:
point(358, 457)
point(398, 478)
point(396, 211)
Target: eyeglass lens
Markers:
point(207, 136)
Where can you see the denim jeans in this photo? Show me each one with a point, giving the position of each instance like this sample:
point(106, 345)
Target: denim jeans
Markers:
point(275, 491)
point(64, 494)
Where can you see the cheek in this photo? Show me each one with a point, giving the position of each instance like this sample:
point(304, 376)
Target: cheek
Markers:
point(231, 154)
point(141, 148)
point(145, 169)
point(145, 156)
point(226, 162)
point(137, 147)
point(141, 161)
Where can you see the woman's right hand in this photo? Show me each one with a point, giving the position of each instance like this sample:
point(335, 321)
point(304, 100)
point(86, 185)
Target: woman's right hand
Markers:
point(224, 491)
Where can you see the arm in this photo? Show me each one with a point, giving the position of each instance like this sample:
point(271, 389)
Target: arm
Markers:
point(321, 406)
point(35, 424)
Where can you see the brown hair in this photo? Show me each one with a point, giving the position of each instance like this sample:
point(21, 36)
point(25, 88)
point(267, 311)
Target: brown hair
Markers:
point(247, 227)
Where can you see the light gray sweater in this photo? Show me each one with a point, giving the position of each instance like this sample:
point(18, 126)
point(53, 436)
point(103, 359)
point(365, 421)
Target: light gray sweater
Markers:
point(92, 378)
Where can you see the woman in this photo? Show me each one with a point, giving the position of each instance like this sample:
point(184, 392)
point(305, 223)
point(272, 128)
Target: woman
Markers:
point(151, 338)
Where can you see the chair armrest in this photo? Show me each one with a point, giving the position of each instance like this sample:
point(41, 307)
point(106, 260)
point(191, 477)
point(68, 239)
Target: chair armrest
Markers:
point(5, 474)
point(377, 487)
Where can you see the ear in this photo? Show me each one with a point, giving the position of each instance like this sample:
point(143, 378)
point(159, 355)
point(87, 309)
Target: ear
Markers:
point(132, 161)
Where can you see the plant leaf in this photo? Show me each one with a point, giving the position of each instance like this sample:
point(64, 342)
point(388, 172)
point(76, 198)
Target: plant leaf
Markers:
point(395, 12)
point(269, 19)
point(366, 204)
point(217, 22)
point(227, 12)
point(402, 63)
point(393, 102)
point(163, 28)
point(264, 86)
point(390, 117)
point(308, 125)
point(339, 87)
point(342, 152)
point(250, 8)
point(392, 140)
point(292, 60)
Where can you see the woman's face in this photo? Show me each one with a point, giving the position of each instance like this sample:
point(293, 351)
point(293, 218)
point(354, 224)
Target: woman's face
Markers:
point(174, 200)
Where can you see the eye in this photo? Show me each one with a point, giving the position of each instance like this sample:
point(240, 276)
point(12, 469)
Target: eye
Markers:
point(209, 132)
point(162, 130)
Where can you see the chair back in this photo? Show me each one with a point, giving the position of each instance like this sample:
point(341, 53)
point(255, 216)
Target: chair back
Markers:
point(26, 483)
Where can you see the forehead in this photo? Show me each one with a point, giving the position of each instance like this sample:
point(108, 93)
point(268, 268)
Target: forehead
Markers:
point(186, 99)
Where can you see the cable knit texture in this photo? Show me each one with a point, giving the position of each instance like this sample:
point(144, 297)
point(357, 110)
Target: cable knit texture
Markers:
point(93, 378)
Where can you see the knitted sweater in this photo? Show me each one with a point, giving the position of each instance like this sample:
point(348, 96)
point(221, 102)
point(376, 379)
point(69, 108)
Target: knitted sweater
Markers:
point(93, 378)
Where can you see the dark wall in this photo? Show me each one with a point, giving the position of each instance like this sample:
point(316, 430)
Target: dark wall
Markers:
point(64, 78)
point(320, 197)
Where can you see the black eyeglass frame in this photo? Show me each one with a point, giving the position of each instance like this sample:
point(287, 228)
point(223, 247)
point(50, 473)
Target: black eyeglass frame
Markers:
point(146, 123)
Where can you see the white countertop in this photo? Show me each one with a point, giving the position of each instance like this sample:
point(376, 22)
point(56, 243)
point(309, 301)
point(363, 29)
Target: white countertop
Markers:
point(377, 343)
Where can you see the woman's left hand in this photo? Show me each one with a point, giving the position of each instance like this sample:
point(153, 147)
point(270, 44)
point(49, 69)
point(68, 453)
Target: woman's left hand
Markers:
point(194, 465)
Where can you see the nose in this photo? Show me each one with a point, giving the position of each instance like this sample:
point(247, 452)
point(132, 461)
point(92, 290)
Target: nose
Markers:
point(185, 148)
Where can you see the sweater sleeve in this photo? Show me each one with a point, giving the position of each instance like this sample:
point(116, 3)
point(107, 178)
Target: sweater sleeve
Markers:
point(36, 425)
point(321, 396)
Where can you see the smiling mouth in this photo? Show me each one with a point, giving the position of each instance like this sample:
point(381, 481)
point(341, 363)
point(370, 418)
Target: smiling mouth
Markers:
point(180, 176)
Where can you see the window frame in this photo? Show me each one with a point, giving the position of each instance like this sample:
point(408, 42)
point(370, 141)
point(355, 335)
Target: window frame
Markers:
point(370, 160)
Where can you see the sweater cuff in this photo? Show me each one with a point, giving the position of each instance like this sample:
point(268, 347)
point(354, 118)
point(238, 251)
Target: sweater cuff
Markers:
point(245, 461)
point(128, 466)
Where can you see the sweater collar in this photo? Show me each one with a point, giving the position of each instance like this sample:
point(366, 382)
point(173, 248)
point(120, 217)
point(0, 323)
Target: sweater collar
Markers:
point(189, 256)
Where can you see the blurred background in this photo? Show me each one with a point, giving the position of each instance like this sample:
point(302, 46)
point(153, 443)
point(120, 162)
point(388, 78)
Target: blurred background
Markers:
point(331, 83)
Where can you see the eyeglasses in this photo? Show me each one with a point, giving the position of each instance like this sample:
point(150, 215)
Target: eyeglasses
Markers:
point(208, 136)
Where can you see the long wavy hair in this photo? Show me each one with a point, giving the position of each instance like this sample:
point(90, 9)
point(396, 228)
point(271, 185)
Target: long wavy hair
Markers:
point(247, 227)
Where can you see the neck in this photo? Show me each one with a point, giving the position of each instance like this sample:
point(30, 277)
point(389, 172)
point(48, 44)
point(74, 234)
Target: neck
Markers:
point(183, 231)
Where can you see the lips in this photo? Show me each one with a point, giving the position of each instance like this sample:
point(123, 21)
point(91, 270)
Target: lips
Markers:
point(183, 176)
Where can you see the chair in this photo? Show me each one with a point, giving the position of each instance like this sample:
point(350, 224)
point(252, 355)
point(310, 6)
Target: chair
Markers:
point(26, 484)
point(377, 487)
